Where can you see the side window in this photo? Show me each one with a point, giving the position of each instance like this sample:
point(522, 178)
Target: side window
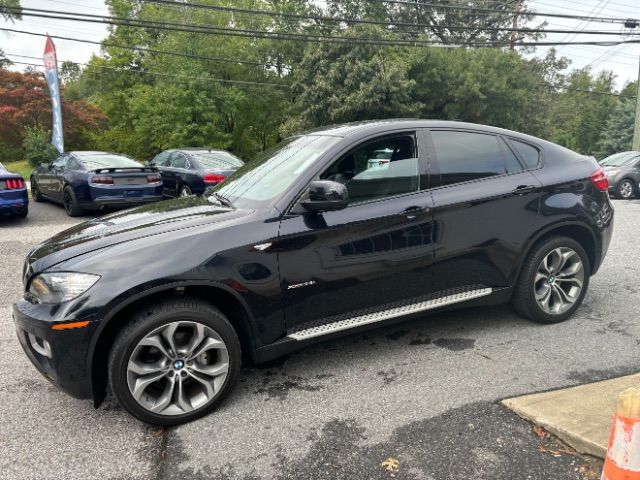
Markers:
point(73, 164)
point(465, 156)
point(61, 161)
point(529, 153)
point(160, 160)
point(178, 160)
point(378, 169)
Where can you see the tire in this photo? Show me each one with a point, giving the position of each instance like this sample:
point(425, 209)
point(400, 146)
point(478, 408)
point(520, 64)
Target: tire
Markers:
point(185, 191)
point(35, 191)
point(524, 300)
point(626, 189)
point(23, 213)
point(71, 205)
point(186, 314)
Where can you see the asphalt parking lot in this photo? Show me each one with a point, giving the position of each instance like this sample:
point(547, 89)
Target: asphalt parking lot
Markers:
point(423, 393)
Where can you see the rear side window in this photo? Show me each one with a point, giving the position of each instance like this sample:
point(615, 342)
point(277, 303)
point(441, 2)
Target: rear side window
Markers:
point(465, 156)
point(529, 154)
point(161, 160)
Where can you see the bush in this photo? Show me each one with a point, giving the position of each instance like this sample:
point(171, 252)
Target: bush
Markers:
point(37, 146)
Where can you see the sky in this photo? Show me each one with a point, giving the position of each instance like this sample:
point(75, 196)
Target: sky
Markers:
point(622, 60)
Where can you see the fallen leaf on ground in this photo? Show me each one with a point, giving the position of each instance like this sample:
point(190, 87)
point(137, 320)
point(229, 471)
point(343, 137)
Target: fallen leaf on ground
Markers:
point(540, 432)
point(390, 465)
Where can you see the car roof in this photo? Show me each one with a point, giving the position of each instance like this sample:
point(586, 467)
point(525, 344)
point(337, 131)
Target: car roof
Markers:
point(195, 149)
point(380, 126)
point(87, 153)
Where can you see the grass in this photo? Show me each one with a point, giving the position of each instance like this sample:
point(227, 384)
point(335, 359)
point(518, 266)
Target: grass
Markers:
point(21, 168)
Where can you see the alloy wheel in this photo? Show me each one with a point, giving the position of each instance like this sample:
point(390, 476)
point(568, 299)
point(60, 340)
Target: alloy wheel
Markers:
point(626, 189)
point(185, 192)
point(559, 280)
point(178, 368)
point(66, 198)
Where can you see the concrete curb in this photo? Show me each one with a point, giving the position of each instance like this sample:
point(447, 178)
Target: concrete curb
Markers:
point(579, 416)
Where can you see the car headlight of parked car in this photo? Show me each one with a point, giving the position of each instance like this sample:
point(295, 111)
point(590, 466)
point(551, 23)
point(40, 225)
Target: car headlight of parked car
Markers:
point(61, 287)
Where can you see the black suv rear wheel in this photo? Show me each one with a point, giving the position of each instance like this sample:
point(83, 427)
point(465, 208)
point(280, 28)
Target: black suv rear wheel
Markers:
point(174, 362)
point(553, 281)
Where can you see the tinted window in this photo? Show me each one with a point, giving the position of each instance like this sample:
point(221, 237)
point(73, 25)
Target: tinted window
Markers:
point(161, 160)
point(464, 156)
point(73, 164)
point(378, 169)
point(528, 153)
point(60, 162)
point(178, 160)
point(95, 162)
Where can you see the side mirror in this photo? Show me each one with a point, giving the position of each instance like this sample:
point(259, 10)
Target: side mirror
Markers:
point(326, 196)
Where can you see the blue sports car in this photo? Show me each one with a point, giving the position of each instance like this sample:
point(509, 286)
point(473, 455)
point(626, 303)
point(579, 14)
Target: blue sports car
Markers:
point(190, 171)
point(14, 199)
point(94, 181)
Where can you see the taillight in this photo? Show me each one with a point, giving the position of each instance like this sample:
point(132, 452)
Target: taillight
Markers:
point(102, 180)
point(213, 178)
point(15, 183)
point(599, 180)
point(154, 178)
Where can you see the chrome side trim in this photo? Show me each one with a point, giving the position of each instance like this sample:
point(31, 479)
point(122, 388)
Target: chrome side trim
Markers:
point(429, 302)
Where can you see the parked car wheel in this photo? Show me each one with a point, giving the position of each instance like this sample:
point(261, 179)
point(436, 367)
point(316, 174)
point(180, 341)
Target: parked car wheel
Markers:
point(23, 213)
point(553, 281)
point(175, 362)
point(35, 191)
point(626, 189)
point(185, 191)
point(71, 205)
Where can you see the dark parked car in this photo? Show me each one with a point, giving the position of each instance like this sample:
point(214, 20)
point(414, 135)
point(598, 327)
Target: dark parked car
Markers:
point(94, 181)
point(14, 199)
point(306, 242)
point(190, 171)
point(623, 173)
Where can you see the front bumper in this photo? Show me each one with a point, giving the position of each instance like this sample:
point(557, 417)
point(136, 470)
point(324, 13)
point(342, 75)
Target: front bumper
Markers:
point(61, 356)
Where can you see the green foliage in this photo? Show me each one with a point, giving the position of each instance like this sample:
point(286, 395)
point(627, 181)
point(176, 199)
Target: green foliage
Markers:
point(37, 146)
point(10, 3)
point(344, 83)
point(618, 132)
point(4, 61)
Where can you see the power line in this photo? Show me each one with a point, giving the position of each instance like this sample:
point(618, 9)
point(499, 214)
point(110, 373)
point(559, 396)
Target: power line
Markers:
point(145, 49)
point(159, 74)
point(505, 12)
point(319, 18)
point(213, 30)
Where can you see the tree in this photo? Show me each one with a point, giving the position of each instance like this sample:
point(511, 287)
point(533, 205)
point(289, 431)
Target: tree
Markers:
point(4, 61)
point(618, 133)
point(25, 102)
point(11, 4)
point(342, 82)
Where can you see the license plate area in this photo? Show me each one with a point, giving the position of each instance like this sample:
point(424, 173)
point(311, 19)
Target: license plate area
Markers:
point(133, 193)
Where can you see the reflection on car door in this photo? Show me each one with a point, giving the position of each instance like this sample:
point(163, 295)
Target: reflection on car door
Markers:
point(50, 181)
point(376, 252)
point(481, 190)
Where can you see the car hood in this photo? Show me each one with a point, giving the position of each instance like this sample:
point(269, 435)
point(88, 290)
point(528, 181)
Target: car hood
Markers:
point(124, 226)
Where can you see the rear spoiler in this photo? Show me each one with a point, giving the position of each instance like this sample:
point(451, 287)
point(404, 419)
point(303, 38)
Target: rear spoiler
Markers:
point(127, 170)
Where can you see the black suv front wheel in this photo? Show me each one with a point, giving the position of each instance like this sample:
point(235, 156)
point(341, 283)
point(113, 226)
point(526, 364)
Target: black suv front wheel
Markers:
point(553, 281)
point(174, 362)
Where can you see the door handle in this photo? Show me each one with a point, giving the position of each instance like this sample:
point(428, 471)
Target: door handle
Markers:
point(524, 189)
point(413, 212)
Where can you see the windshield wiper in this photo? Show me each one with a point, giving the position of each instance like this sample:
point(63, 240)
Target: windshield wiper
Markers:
point(222, 199)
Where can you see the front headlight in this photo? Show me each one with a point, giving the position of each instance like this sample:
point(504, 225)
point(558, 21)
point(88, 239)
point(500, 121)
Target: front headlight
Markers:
point(61, 287)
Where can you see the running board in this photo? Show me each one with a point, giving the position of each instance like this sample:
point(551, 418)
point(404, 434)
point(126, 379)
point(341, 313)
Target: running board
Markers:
point(339, 323)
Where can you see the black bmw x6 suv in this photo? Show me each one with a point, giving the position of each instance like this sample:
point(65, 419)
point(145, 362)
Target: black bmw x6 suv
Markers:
point(316, 237)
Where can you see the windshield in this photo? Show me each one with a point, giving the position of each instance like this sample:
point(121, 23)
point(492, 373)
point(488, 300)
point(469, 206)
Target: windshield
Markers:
point(216, 160)
point(95, 162)
point(620, 159)
point(273, 171)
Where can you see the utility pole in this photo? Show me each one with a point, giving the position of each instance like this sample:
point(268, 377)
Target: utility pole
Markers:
point(515, 26)
point(636, 130)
